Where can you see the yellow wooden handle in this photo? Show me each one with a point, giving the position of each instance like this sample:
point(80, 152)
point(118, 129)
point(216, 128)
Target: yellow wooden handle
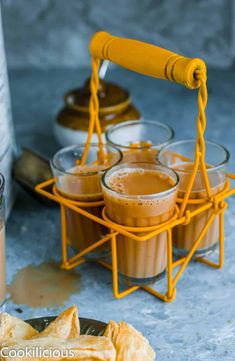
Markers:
point(147, 59)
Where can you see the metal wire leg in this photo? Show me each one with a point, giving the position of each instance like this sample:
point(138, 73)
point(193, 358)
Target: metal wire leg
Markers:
point(171, 293)
point(63, 237)
point(221, 244)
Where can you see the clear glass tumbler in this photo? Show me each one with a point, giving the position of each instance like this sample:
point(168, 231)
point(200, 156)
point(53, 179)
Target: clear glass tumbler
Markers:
point(140, 195)
point(2, 246)
point(139, 141)
point(83, 184)
point(179, 156)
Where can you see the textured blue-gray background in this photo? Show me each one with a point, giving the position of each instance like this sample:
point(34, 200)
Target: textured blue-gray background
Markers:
point(55, 33)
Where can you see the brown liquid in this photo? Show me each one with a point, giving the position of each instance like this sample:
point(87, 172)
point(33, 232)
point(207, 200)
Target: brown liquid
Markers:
point(2, 266)
point(140, 262)
point(185, 236)
point(82, 232)
point(40, 286)
point(140, 155)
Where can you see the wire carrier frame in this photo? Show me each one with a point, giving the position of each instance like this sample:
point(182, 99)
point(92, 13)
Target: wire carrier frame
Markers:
point(161, 63)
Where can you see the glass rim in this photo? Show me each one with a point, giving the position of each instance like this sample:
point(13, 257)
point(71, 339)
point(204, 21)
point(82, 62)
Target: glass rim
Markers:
point(82, 145)
point(142, 196)
point(138, 122)
point(2, 183)
point(209, 170)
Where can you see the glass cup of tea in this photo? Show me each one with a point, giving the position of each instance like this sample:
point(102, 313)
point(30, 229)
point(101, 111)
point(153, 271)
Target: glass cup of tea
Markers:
point(2, 246)
point(140, 195)
point(82, 183)
point(180, 156)
point(139, 141)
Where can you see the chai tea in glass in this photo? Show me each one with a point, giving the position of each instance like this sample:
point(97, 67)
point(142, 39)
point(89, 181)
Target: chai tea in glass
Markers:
point(139, 141)
point(82, 183)
point(179, 156)
point(140, 195)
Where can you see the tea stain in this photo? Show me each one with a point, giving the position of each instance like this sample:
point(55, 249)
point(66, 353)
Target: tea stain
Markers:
point(45, 285)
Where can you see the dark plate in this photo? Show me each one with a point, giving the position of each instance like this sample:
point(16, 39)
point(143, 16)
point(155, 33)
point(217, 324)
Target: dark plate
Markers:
point(88, 327)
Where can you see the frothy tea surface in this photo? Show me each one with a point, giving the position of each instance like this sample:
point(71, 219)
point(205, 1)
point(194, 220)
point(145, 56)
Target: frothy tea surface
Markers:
point(139, 181)
point(216, 178)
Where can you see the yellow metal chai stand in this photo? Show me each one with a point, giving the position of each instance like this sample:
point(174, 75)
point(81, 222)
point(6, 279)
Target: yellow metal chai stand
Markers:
point(160, 63)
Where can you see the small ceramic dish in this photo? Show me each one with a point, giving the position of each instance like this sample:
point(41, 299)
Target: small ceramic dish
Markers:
point(88, 326)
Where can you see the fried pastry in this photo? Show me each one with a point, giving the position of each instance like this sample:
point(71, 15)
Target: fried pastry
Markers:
point(13, 327)
point(84, 348)
point(66, 325)
point(130, 344)
point(121, 342)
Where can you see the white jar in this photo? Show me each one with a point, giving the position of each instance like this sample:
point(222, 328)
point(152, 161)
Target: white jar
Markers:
point(7, 143)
